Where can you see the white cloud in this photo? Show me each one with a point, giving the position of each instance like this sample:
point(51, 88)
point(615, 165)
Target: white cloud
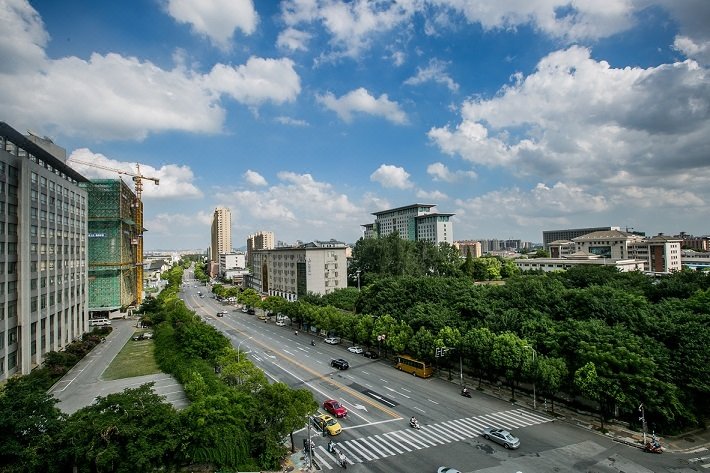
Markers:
point(215, 19)
point(574, 115)
point(293, 39)
point(300, 207)
point(700, 51)
point(291, 121)
point(259, 80)
point(254, 178)
point(439, 172)
point(162, 227)
point(122, 97)
point(390, 176)
point(431, 195)
point(352, 26)
point(434, 72)
point(174, 181)
point(360, 101)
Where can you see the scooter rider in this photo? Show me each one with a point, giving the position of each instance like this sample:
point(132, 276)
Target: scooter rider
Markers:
point(342, 460)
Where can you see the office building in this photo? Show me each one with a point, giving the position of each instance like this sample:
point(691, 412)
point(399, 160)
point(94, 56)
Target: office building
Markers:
point(291, 272)
point(43, 252)
point(261, 240)
point(548, 236)
point(416, 222)
point(231, 261)
point(662, 253)
point(221, 233)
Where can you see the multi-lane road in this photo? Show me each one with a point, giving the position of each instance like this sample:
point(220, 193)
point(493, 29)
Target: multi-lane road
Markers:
point(376, 435)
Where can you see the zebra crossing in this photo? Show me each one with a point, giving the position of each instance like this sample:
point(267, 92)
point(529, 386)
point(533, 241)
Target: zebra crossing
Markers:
point(377, 447)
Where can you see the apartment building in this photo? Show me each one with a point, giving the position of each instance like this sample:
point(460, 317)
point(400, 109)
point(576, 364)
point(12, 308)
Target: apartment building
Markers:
point(467, 247)
point(291, 272)
point(221, 233)
point(416, 222)
point(43, 251)
point(235, 260)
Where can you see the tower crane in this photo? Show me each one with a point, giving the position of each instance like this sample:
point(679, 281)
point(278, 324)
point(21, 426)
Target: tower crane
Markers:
point(138, 181)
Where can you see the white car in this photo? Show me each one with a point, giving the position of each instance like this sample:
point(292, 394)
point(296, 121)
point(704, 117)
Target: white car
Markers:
point(357, 350)
point(332, 341)
point(280, 323)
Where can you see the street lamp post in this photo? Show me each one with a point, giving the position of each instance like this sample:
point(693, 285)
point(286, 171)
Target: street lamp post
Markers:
point(380, 338)
point(357, 273)
point(240, 344)
point(534, 376)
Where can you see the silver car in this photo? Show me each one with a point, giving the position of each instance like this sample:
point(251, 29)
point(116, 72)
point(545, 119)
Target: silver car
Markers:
point(501, 436)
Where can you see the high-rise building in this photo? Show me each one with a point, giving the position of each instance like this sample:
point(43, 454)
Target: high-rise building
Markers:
point(221, 233)
point(261, 240)
point(43, 252)
point(416, 222)
point(113, 246)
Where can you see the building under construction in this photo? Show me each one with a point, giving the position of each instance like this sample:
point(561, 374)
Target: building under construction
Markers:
point(114, 229)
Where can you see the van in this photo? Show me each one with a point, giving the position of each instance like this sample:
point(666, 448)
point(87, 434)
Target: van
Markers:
point(99, 322)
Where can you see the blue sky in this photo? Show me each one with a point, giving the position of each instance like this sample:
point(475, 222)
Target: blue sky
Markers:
point(305, 116)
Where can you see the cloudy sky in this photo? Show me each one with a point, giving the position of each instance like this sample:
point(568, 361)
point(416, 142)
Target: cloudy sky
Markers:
point(305, 116)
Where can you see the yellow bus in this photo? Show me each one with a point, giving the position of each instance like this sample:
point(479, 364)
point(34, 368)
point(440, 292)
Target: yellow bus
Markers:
point(416, 367)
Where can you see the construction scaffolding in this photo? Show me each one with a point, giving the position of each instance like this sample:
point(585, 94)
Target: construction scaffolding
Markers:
point(113, 244)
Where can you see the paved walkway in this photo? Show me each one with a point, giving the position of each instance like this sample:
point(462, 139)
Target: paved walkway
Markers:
point(83, 383)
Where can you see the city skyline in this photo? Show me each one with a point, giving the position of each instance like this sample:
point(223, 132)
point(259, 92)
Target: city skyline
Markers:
point(305, 118)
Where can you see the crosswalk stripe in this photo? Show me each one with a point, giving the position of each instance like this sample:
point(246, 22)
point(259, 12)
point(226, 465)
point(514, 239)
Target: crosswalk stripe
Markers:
point(398, 441)
point(393, 444)
point(349, 453)
point(431, 436)
point(399, 434)
point(464, 429)
point(381, 449)
point(362, 451)
point(495, 422)
point(513, 421)
point(380, 446)
point(446, 431)
point(321, 460)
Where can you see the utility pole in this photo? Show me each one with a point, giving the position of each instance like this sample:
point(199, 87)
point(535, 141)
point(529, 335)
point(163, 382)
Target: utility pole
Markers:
point(643, 422)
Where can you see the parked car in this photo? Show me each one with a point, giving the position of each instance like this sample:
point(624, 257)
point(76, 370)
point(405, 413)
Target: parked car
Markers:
point(446, 469)
point(335, 408)
point(355, 349)
point(245, 310)
point(501, 436)
point(138, 336)
point(339, 363)
point(332, 341)
point(326, 423)
point(370, 354)
point(280, 323)
point(147, 335)
point(251, 311)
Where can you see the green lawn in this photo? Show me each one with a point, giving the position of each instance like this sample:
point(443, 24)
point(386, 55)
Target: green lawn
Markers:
point(135, 359)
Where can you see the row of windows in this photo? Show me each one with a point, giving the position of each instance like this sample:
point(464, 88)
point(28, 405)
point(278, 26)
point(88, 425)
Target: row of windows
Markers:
point(15, 150)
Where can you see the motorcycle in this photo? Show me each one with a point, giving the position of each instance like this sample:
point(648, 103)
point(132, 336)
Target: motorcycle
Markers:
point(313, 343)
point(653, 447)
point(465, 392)
point(414, 424)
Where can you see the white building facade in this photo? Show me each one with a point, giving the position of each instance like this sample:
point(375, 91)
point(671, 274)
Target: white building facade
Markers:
point(416, 222)
point(291, 272)
point(43, 253)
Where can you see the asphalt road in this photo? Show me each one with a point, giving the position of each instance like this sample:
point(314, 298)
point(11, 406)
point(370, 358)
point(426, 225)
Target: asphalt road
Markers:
point(376, 436)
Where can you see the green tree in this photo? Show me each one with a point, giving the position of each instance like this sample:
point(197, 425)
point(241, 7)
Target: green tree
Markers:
point(422, 344)
point(550, 374)
point(135, 430)
point(30, 424)
point(249, 297)
point(508, 358)
point(477, 345)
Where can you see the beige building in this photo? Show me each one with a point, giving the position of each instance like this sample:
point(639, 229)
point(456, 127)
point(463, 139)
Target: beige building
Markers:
point(291, 272)
point(661, 253)
point(466, 246)
point(221, 233)
point(577, 259)
point(43, 252)
point(261, 240)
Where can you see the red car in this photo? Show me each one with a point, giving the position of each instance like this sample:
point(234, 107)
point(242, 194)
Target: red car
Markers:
point(335, 408)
